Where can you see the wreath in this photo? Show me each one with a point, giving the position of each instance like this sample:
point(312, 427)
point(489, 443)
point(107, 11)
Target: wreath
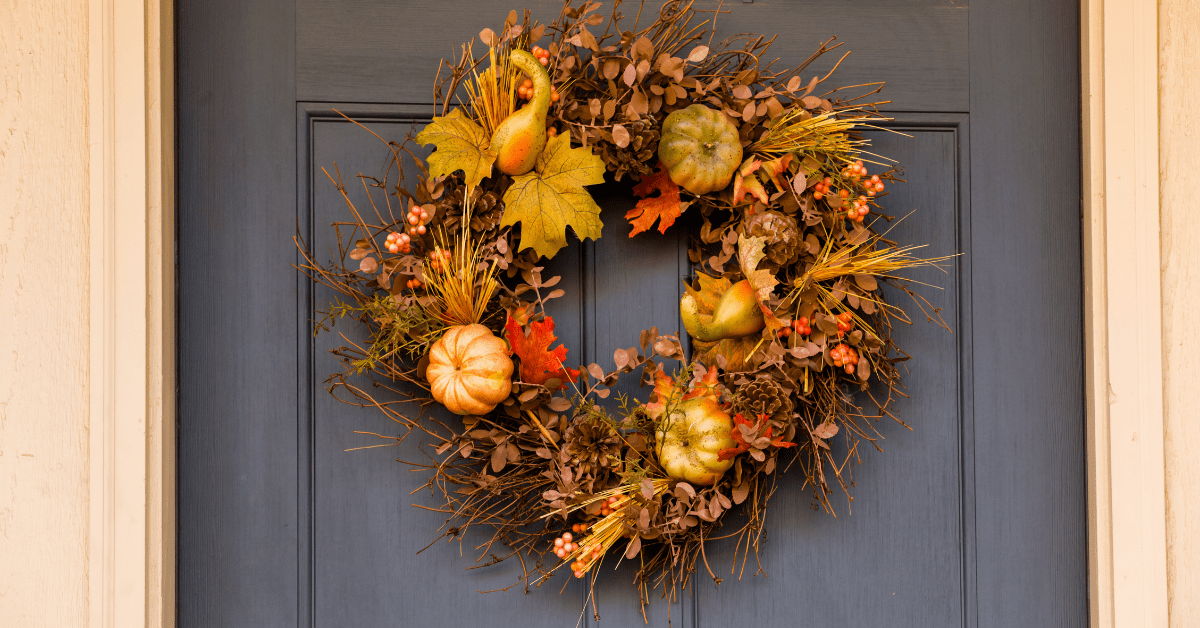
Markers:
point(790, 331)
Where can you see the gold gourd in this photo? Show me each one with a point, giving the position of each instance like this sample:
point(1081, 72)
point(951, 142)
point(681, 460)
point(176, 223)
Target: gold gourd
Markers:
point(521, 137)
point(690, 440)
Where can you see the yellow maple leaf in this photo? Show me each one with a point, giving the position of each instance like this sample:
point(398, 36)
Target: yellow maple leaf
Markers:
point(551, 198)
point(461, 145)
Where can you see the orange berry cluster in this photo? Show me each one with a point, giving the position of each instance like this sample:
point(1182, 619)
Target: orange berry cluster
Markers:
point(398, 242)
point(858, 209)
point(541, 54)
point(438, 257)
point(799, 326)
point(845, 357)
point(845, 322)
point(413, 284)
point(857, 172)
point(613, 504)
point(417, 219)
point(823, 188)
point(860, 206)
point(525, 91)
point(564, 545)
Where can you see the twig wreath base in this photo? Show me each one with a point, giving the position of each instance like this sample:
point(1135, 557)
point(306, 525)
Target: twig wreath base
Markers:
point(791, 335)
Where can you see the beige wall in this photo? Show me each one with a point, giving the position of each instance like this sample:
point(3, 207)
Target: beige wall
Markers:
point(44, 314)
point(1179, 168)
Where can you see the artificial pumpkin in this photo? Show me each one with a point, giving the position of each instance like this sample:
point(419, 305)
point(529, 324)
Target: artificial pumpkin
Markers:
point(691, 439)
point(736, 314)
point(521, 137)
point(700, 149)
point(469, 370)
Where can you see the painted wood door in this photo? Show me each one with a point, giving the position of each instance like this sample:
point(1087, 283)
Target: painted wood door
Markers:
point(974, 518)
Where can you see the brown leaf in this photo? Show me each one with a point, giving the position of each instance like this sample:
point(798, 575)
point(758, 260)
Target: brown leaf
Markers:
point(864, 370)
point(740, 492)
point(635, 546)
point(827, 429)
point(748, 112)
point(794, 83)
point(620, 136)
point(611, 69)
point(647, 489)
point(620, 358)
point(630, 75)
point(559, 404)
point(488, 37)
point(866, 282)
point(643, 48)
point(610, 108)
point(368, 265)
point(698, 54)
point(639, 102)
point(811, 102)
point(595, 371)
point(499, 458)
point(741, 92)
point(587, 40)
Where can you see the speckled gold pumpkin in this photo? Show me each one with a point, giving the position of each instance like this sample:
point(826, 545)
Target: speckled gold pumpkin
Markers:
point(469, 370)
point(690, 441)
point(700, 149)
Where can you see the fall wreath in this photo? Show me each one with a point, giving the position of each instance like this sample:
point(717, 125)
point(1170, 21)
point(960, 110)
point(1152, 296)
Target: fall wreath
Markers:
point(790, 333)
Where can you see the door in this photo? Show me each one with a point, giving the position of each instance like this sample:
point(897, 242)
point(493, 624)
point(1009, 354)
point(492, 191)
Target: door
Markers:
point(975, 518)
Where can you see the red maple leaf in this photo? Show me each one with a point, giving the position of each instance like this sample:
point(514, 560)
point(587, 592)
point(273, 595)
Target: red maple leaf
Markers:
point(539, 363)
point(665, 207)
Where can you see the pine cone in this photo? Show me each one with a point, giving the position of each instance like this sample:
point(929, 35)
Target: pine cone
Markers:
point(782, 234)
point(487, 213)
point(765, 396)
point(592, 448)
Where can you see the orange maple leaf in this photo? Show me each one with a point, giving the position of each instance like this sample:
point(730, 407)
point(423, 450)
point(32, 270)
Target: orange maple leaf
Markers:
point(664, 391)
point(706, 386)
point(746, 181)
point(539, 363)
point(665, 207)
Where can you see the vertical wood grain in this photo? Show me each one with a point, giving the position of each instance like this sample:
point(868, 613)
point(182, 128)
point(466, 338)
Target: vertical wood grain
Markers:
point(1179, 163)
point(1123, 316)
point(44, 348)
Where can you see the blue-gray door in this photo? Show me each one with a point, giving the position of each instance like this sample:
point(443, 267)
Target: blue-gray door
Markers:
point(975, 518)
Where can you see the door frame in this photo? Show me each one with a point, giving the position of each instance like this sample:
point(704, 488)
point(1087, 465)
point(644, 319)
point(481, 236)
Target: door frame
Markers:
point(131, 86)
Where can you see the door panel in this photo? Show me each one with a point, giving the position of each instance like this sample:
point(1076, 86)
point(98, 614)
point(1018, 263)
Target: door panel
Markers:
point(973, 518)
point(918, 46)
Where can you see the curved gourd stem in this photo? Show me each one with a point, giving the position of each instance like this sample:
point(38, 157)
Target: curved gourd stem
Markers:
point(540, 102)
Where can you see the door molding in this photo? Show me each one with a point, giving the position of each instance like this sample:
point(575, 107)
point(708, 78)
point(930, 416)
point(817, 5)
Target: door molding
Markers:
point(1127, 554)
point(132, 439)
point(131, 122)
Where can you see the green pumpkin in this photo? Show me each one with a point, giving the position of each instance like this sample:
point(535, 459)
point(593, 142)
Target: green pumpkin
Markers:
point(700, 149)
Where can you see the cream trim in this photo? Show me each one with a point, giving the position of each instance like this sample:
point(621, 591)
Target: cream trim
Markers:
point(132, 443)
point(1123, 326)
